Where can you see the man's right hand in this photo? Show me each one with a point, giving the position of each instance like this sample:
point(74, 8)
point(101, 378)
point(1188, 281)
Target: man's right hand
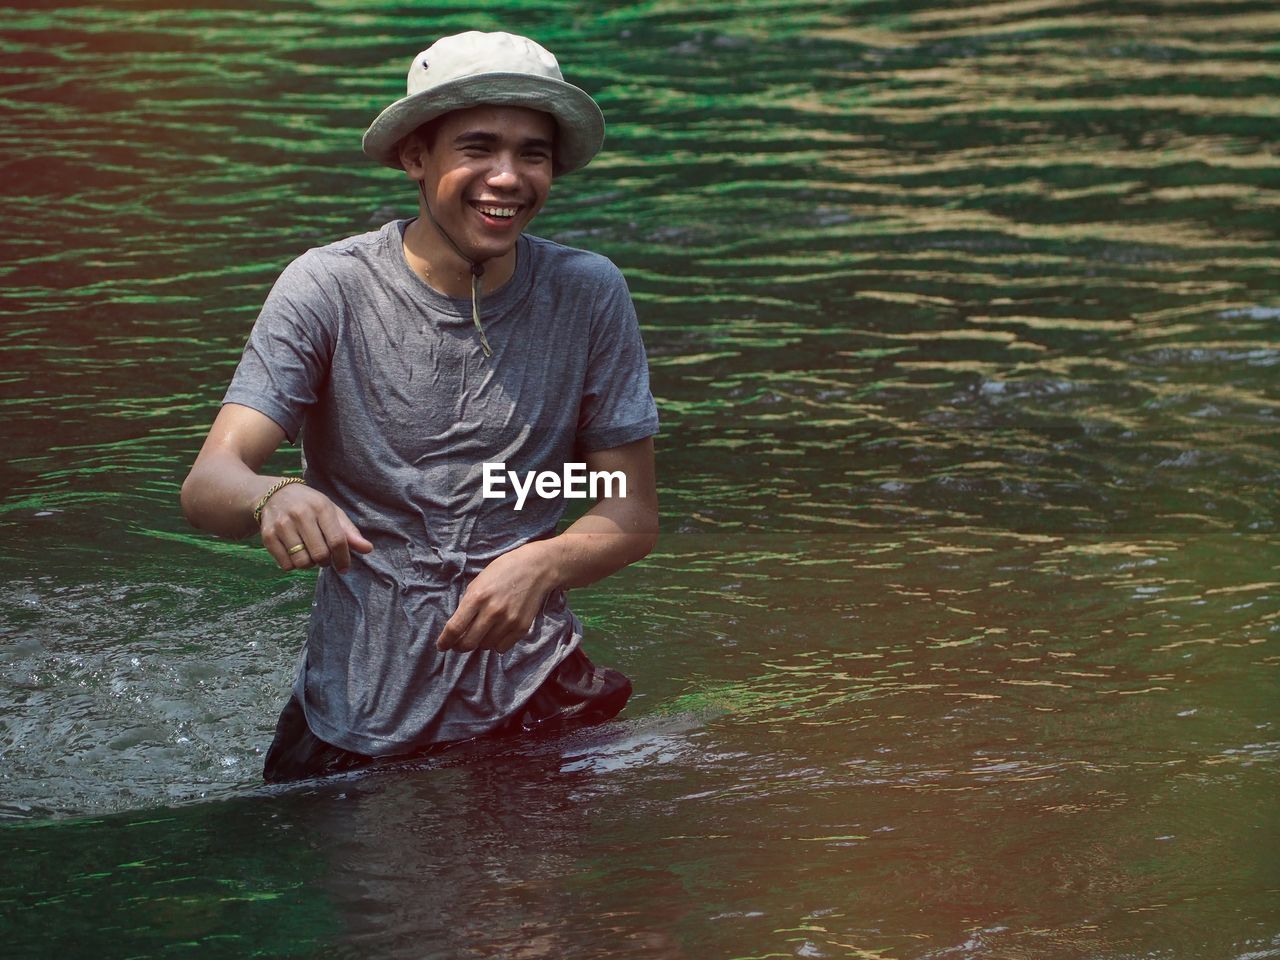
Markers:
point(296, 516)
point(224, 485)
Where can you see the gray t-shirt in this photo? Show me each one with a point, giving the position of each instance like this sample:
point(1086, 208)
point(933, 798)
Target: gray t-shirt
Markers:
point(399, 409)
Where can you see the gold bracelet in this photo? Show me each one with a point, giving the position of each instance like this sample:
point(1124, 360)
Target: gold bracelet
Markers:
point(271, 492)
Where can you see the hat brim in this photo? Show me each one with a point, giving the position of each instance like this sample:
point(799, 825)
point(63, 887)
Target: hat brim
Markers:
point(578, 119)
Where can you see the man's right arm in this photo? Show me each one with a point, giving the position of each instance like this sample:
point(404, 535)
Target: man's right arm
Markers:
point(224, 486)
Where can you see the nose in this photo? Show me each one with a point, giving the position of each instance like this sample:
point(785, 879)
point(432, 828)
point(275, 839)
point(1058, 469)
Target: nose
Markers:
point(502, 175)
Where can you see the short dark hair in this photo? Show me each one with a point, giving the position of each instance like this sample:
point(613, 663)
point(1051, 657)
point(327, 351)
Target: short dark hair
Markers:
point(428, 131)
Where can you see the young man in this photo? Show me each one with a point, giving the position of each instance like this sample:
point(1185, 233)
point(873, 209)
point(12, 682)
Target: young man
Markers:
point(409, 359)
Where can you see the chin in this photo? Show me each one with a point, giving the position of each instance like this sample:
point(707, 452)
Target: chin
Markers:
point(493, 251)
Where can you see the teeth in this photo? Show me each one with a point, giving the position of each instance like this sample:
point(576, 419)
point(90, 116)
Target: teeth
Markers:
point(497, 211)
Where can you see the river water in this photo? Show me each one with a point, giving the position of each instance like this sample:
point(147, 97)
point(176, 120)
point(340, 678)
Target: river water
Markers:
point(961, 640)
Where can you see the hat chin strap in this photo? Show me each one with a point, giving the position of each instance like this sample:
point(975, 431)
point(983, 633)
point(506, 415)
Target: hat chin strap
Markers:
point(477, 271)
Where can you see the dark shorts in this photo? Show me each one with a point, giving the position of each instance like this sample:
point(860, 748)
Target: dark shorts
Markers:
point(577, 693)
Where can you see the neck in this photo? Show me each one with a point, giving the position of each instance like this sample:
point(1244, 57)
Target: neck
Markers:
point(430, 257)
point(433, 255)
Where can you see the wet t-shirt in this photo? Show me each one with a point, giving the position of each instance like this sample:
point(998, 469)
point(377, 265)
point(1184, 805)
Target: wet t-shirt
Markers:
point(399, 410)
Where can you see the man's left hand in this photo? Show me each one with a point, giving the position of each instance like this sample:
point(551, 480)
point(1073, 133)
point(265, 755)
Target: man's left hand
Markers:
point(500, 604)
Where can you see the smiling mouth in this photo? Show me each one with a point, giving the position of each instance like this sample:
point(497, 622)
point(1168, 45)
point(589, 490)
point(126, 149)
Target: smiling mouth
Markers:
point(497, 211)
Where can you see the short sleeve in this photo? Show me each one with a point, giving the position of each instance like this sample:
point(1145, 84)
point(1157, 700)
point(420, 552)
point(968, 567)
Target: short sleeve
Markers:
point(286, 361)
point(617, 406)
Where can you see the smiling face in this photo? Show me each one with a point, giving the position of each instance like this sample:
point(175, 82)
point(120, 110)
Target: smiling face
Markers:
point(486, 174)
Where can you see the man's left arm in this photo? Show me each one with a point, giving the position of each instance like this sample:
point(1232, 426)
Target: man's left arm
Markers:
point(500, 604)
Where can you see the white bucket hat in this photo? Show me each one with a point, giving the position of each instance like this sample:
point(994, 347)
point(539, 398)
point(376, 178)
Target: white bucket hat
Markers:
point(473, 68)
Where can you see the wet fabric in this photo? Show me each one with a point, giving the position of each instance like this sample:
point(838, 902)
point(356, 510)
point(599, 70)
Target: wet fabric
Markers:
point(577, 693)
point(399, 410)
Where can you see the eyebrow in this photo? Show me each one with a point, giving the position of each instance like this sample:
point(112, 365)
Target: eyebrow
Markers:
point(489, 137)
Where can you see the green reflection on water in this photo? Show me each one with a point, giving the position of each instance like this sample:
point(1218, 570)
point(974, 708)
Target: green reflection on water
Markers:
point(216, 877)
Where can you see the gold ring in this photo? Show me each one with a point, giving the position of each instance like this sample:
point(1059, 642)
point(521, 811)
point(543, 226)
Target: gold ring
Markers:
point(298, 549)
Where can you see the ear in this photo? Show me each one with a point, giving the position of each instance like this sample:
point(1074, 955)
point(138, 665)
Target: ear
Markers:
point(411, 151)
